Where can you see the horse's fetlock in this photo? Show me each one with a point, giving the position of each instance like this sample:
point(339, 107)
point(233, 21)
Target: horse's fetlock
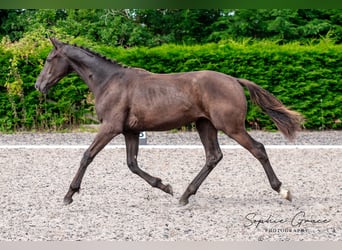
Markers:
point(192, 189)
point(156, 182)
point(75, 189)
point(276, 186)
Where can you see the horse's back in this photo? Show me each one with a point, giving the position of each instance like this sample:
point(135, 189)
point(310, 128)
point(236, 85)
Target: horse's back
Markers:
point(164, 101)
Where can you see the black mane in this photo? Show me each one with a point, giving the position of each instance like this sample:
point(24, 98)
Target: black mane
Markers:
point(99, 55)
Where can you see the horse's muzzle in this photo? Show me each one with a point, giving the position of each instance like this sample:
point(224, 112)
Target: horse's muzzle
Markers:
point(41, 87)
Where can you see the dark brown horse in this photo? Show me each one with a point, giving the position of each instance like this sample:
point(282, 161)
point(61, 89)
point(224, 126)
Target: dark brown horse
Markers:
point(130, 100)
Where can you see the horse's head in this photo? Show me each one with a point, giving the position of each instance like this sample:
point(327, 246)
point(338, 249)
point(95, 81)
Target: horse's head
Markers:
point(55, 68)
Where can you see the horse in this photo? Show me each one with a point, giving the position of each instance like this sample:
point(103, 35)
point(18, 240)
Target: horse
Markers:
point(129, 100)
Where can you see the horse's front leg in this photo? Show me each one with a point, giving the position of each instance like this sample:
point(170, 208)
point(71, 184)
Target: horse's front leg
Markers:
point(103, 137)
point(132, 147)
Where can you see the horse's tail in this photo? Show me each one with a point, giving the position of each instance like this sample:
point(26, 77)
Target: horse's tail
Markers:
point(287, 121)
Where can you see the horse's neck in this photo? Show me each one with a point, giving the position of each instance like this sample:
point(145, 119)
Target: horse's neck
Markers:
point(93, 70)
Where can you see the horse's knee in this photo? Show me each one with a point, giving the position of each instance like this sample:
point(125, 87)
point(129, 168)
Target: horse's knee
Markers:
point(219, 157)
point(214, 159)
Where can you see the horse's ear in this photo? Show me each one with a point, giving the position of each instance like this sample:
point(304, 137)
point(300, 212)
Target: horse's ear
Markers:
point(55, 42)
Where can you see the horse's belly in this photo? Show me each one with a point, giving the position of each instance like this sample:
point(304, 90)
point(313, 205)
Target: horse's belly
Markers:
point(161, 120)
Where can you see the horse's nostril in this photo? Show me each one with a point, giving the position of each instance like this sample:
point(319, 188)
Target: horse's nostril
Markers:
point(37, 87)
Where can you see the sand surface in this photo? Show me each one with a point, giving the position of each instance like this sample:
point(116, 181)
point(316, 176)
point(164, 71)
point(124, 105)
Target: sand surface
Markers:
point(235, 203)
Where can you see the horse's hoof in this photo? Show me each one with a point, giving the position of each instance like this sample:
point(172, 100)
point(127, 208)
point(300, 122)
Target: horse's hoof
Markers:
point(183, 202)
point(67, 200)
point(286, 194)
point(168, 189)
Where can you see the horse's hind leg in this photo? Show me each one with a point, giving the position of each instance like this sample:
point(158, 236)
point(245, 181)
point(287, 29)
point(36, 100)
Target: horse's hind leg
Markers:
point(208, 135)
point(258, 150)
point(132, 147)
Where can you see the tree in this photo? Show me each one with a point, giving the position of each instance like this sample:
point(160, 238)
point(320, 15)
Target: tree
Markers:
point(152, 27)
point(11, 23)
point(284, 24)
point(178, 25)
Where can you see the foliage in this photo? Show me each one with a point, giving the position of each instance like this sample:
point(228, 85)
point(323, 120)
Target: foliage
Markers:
point(21, 106)
point(283, 24)
point(154, 27)
point(305, 77)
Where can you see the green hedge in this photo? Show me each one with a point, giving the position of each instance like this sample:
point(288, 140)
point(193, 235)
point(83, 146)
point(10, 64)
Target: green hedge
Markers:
point(306, 78)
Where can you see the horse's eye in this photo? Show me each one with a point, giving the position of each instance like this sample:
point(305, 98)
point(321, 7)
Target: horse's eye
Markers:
point(48, 59)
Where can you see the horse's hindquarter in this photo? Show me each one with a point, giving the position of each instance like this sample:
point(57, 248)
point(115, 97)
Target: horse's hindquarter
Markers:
point(225, 100)
point(166, 101)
